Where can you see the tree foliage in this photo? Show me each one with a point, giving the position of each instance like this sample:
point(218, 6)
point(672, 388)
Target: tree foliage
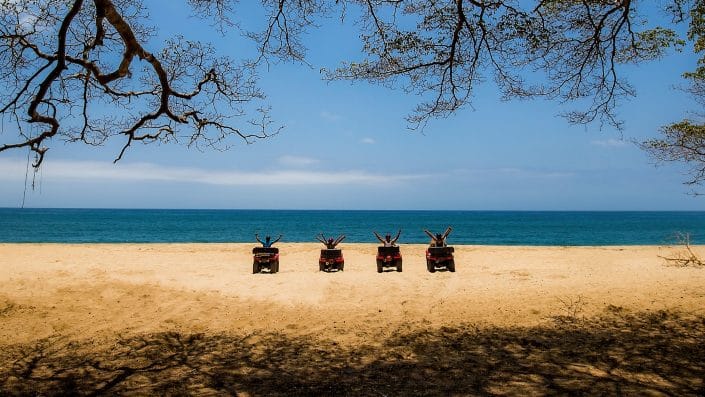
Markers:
point(64, 60)
point(68, 56)
point(684, 141)
point(557, 49)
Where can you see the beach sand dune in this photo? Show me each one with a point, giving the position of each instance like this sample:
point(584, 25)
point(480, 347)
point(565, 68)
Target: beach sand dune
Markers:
point(191, 318)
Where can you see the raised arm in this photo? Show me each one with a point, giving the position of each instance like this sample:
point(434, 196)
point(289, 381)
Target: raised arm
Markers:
point(321, 238)
point(339, 239)
point(378, 237)
point(257, 238)
point(430, 234)
point(278, 238)
point(447, 232)
point(397, 237)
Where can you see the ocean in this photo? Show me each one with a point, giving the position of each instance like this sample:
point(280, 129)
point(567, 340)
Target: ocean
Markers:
point(470, 227)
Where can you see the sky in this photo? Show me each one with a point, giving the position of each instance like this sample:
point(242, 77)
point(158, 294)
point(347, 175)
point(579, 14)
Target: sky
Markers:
point(347, 146)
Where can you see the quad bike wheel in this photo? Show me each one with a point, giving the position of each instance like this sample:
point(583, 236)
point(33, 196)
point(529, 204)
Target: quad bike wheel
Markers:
point(451, 266)
point(399, 265)
point(274, 267)
point(255, 268)
point(379, 266)
point(430, 266)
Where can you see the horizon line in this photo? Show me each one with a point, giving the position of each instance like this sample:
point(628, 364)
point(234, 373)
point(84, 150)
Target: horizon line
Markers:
point(341, 209)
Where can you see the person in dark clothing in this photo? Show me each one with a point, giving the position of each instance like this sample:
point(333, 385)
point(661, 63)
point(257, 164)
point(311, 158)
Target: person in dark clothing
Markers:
point(330, 243)
point(267, 243)
point(387, 241)
point(439, 240)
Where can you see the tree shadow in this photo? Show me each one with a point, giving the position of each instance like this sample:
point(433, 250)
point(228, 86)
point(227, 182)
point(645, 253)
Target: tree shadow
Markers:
point(618, 353)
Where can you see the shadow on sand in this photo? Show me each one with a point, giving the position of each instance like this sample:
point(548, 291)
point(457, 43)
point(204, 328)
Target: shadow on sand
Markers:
point(659, 353)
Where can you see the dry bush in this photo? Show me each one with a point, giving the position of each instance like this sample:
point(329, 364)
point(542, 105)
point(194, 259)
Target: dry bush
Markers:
point(572, 309)
point(686, 257)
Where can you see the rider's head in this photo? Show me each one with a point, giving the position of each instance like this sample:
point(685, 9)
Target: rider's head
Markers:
point(330, 241)
point(439, 236)
point(388, 237)
point(267, 238)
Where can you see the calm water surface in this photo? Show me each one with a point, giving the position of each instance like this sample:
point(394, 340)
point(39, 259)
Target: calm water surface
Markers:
point(470, 227)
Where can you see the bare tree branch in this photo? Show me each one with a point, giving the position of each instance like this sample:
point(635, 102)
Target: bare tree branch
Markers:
point(68, 60)
point(447, 48)
point(686, 257)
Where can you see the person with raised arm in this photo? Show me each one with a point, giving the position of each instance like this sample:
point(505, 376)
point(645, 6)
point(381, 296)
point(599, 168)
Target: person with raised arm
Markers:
point(387, 241)
point(267, 243)
point(438, 240)
point(330, 243)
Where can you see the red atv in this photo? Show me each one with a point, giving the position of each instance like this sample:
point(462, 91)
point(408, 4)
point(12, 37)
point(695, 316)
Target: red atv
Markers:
point(331, 259)
point(265, 258)
point(388, 257)
point(440, 257)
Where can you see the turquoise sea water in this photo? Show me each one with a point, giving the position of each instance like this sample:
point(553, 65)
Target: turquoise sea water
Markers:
point(470, 227)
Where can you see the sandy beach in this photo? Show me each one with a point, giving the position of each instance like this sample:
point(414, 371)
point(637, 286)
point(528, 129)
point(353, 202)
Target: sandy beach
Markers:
point(192, 318)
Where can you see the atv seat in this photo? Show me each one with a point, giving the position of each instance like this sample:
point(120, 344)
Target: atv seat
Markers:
point(331, 253)
point(265, 250)
point(440, 251)
point(385, 251)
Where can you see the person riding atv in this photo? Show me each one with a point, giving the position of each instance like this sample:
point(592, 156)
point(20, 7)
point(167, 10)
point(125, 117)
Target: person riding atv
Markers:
point(388, 255)
point(266, 256)
point(438, 254)
point(331, 258)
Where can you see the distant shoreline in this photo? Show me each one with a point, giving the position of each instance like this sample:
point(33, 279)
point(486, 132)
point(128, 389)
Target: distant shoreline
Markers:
point(342, 245)
point(341, 210)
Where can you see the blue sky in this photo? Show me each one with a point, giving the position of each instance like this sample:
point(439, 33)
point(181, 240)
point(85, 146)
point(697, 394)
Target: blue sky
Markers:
point(347, 146)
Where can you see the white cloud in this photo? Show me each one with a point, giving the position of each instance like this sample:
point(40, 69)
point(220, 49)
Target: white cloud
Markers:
point(296, 161)
point(14, 169)
point(368, 140)
point(330, 116)
point(609, 143)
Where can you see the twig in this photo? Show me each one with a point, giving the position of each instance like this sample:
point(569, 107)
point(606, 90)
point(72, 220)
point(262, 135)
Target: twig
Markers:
point(685, 257)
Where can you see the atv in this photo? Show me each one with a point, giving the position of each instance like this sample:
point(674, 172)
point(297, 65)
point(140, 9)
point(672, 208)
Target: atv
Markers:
point(388, 257)
point(265, 258)
point(440, 257)
point(331, 259)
